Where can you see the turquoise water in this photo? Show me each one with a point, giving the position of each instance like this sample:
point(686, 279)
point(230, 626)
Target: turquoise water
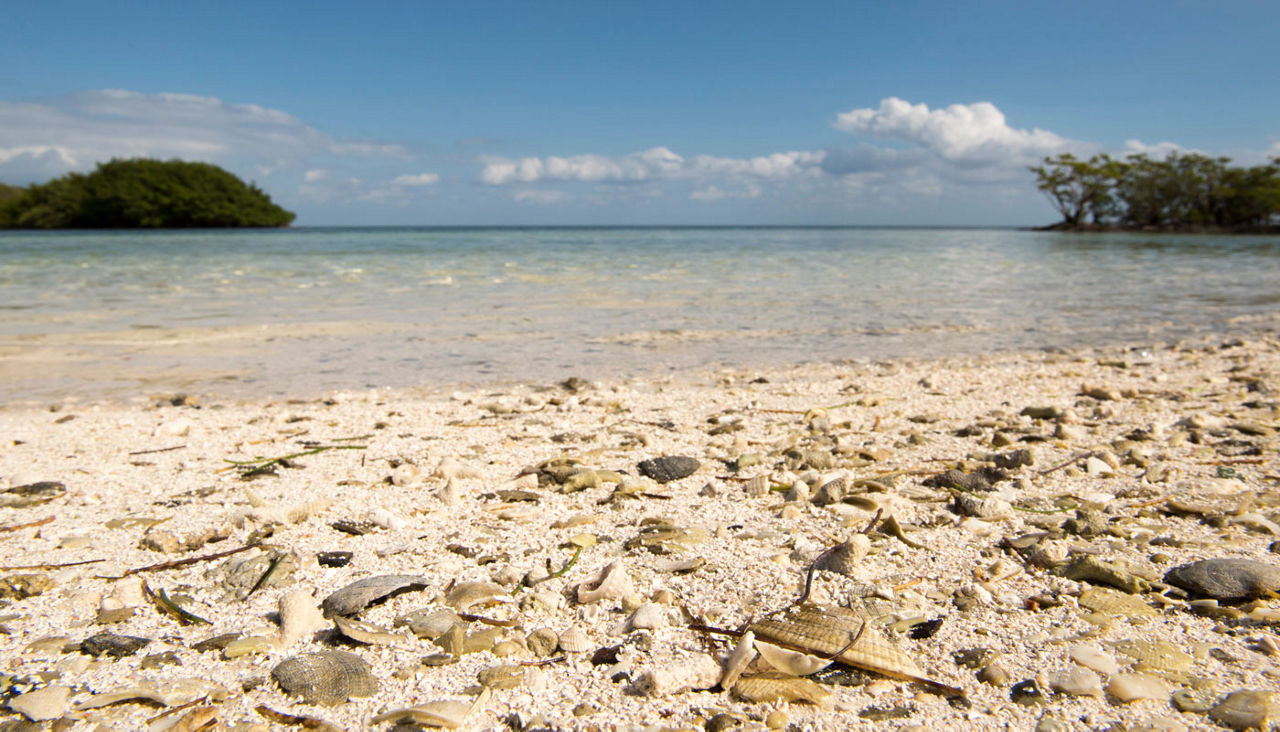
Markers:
point(469, 305)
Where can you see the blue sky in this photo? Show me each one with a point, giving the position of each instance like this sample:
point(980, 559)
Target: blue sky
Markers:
point(636, 113)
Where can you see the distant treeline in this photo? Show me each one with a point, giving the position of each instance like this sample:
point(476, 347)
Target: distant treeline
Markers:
point(141, 193)
point(1183, 192)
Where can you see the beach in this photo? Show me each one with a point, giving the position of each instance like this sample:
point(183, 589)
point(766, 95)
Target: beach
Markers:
point(1008, 532)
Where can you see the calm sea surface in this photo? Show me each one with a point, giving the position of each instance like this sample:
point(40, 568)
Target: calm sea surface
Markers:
point(301, 310)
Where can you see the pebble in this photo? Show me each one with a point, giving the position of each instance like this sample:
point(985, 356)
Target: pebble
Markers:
point(1226, 579)
point(1132, 687)
point(42, 704)
point(111, 644)
point(668, 468)
point(1092, 656)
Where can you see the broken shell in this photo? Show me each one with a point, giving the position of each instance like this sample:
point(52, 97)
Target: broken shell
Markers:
point(844, 557)
point(742, 655)
point(1247, 710)
point(1226, 579)
point(465, 595)
point(1158, 655)
point(613, 583)
point(542, 642)
point(325, 677)
point(697, 672)
point(32, 494)
point(429, 623)
point(791, 662)
point(448, 714)
point(365, 632)
point(360, 594)
point(507, 676)
point(773, 686)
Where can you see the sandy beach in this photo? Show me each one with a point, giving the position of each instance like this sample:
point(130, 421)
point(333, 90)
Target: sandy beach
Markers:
point(1007, 534)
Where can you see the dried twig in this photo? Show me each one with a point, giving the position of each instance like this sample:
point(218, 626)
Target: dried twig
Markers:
point(174, 564)
point(158, 449)
point(52, 566)
point(28, 525)
point(1072, 461)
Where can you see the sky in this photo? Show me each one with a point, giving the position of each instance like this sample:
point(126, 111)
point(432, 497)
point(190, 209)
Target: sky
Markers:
point(636, 113)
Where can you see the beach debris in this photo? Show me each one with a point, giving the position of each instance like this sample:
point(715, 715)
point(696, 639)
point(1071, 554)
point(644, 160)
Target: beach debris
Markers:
point(299, 616)
point(367, 633)
point(1247, 709)
point(447, 714)
point(42, 705)
point(696, 671)
point(296, 720)
point(612, 583)
point(31, 494)
point(773, 686)
point(360, 594)
point(111, 644)
point(429, 623)
point(574, 640)
point(464, 596)
point(22, 586)
point(334, 558)
point(1226, 579)
point(668, 468)
point(325, 677)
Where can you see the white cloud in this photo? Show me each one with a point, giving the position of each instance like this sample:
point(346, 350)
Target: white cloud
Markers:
point(539, 198)
point(72, 132)
point(961, 133)
point(716, 193)
point(314, 176)
point(1159, 150)
point(654, 164)
point(419, 179)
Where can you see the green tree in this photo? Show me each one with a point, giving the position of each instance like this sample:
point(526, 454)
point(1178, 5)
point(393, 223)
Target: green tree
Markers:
point(144, 193)
point(1077, 188)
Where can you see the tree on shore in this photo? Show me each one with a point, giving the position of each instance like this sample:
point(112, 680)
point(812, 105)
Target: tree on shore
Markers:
point(141, 193)
point(1183, 191)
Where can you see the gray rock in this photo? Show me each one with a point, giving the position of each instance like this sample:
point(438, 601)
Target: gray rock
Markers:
point(669, 468)
point(111, 644)
point(1226, 579)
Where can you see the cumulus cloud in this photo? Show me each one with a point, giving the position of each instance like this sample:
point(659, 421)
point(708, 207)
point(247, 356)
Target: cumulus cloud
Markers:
point(974, 133)
point(73, 132)
point(654, 164)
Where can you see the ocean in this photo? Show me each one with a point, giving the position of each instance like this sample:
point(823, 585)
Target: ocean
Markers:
point(293, 312)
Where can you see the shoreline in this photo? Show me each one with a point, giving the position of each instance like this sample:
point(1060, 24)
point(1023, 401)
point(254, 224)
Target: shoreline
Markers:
point(1145, 460)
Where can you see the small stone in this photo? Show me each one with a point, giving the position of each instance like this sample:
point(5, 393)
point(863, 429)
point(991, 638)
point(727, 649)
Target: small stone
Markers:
point(42, 704)
point(1077, 681)
point(668, 468)
point(777, 719)
point(112, 644)
point(1226, 579)
point(649, 616)
point(995, 674)
point(1133, 687)
point(1243, 710)
point(1092, 656)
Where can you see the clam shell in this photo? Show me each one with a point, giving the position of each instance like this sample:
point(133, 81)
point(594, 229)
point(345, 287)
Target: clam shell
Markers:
point(326, 677)
point(465, 595)
point(772, 686)
point(574, 640)
point(365, 632)
point(360, 594)
point(1226, 579)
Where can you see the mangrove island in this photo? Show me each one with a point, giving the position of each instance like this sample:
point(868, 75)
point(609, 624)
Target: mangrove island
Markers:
point(141, 194)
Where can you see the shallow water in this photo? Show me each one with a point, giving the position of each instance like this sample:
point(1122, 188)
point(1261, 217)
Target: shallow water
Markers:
point(298, 311)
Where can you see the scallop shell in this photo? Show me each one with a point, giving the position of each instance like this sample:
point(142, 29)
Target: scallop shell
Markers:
point(325, 677)
point(613, 583)
point(574, 640)
point(772, 686)
point(1155, 655)
point(360, 594)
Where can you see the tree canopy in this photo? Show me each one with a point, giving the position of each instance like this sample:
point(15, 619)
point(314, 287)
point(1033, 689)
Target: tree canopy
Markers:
point(1184, 191)
point(141, 193)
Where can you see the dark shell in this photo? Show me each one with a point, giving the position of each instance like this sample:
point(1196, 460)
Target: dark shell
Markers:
point(31, 494)
point(326, 677)
point(360, 594)
point(334, 558)
point(112, 644)
point(1226, 579)
point(667, 469)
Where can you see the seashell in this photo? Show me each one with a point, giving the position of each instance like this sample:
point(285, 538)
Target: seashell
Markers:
point(465, 595)
point(743, 653)
point(649, 616)
point(664, 538)
point(1157, 655)
point(772, 686)
point(299, 616)
point(791, 662)
point(334, 558)
point(42, 704)
point(1226, 579)
point(169, 693)
point(31, 494)
point(842, 635)
point(699, 671)
point(1077, 681)
point(613, 583)
point(507, 676)
point(668, 468)
point(757, 486)
point(1247, 710)
point(325, 677)
point(845, 557)
point(360, 594)
point(574, 640)
point(983, 507)
point(253, 645)
point(365, 632)
point(429, 623)
point(481, 640)
point(1092, 656)
point(1112, 602)
point(447, 714)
